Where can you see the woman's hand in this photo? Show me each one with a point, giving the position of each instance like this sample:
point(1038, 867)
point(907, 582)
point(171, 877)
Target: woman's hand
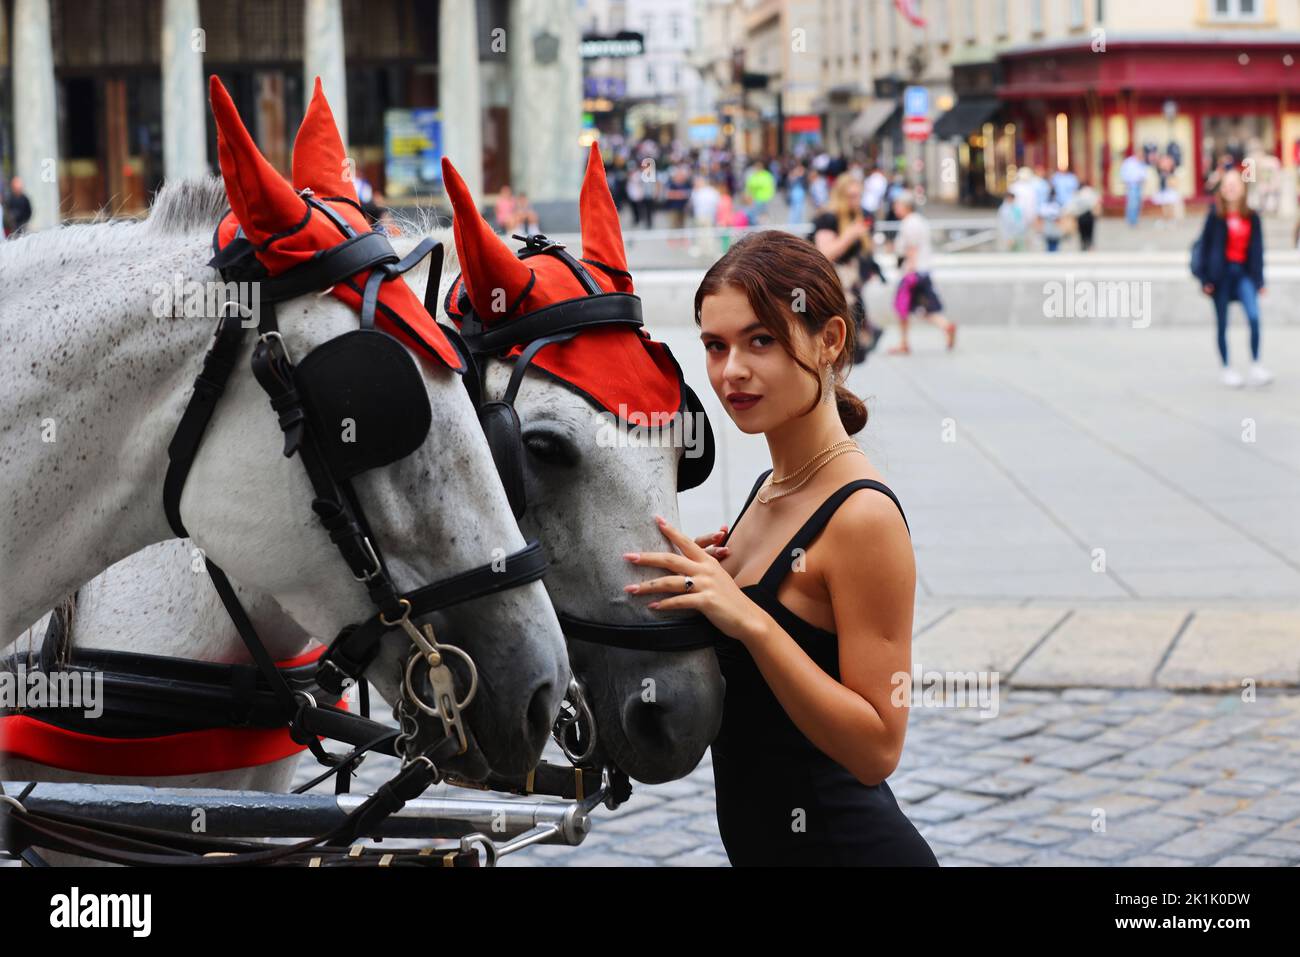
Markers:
point(712, 543)
point(1208, 289)
point(713, 592)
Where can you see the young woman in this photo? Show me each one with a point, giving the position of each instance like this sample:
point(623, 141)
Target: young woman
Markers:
point(843, 234)
point(812, 599)
point(1230, 265)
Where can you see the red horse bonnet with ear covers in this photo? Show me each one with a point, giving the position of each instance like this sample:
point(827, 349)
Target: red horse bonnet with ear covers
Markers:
point(286, 231)
point(618, 369)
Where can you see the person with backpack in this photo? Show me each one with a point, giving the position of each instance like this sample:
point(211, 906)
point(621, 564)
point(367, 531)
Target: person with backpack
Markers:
point(1228, 261)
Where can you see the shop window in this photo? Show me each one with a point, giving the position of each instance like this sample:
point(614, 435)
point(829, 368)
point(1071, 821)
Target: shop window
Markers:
point(1076, 14)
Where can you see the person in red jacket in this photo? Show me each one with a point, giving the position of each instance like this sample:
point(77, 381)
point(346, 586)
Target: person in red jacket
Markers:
point(1230, 265)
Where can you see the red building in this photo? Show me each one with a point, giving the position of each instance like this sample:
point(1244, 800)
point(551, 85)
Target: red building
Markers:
point(1194, 96)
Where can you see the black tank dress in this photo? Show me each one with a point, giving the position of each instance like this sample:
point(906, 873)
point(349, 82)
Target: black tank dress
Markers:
point(766, 770)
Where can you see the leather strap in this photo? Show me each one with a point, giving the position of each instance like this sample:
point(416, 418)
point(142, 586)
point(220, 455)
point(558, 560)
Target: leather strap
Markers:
point(685, 635)
point(352, 651)
point(611, 308)
point(218, 363)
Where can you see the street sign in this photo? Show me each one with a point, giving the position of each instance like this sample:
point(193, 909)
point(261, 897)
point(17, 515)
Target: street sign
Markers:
point(917, 127)
point(625, 43)
point(916, 101)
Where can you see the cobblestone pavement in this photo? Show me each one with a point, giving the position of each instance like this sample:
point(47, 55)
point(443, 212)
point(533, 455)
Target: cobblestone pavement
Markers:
point(1081, 776)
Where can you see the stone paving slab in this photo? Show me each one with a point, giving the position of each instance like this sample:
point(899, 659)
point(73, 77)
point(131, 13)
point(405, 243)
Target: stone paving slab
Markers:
point(1263, 647)
point(1100, 647)
point(1126, 645)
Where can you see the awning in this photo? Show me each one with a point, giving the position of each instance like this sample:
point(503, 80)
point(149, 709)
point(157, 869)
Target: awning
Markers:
point(872, 118)
point(968, 115)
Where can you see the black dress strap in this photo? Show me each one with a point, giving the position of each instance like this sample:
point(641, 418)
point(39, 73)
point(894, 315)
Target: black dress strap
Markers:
point(744, 508)
point(776, 573)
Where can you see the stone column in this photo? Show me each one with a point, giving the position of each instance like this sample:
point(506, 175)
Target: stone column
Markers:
point(458, 91)
point(322, 56)
point(185, 147)
point(546, 160)
point(36, 131)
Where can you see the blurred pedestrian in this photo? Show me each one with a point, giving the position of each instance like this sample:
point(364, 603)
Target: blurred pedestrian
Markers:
point(17, 208)
point(1167, 196)
point(843, 234)
point(638, 194)
point(526, 223)
point(1133, 173)
point(760, 187)
point(705, 202)
point(1049, 214)
point(916, 287)
point(1066, 185)
point(1229, 262)
point(504, 213)
point(797, 193)
point(1084, 207)
point(1012, 227)
point(873, 191)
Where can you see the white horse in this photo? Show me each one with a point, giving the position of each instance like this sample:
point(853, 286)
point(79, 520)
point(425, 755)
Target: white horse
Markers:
point(94, 383)
point(590, 501)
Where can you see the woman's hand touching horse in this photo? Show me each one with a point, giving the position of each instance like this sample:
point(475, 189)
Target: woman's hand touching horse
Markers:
point(699, 583)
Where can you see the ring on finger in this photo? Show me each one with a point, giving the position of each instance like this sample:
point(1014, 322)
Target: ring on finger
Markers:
point(687, 583)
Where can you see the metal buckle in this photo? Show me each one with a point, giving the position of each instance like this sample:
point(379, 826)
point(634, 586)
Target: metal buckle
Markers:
point(268, 336)
point(374, 573)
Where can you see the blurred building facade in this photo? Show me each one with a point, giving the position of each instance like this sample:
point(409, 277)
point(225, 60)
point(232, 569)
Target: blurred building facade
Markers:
point(101, 99)
point(1010, 83)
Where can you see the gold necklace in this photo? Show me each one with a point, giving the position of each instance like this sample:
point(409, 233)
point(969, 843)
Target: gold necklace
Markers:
point(843, 443)
point(784, 492)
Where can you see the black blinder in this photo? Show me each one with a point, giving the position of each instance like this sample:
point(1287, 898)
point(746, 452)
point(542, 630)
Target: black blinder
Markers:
point(696, 463)
point(500, 424)
point(366, 400)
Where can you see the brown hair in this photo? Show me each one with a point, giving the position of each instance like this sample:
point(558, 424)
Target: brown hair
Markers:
point(838, 202)
point(769, 266)
point(1221, 204)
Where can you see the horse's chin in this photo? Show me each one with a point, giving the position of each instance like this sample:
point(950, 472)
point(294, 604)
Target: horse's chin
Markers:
point(470, 766)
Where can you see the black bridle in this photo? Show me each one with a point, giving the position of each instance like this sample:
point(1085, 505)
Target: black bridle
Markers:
point(281, 698)
point(336, 503)
point(478, 342)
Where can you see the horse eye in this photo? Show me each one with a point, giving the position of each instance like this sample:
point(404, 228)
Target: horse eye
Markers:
point(550, 448)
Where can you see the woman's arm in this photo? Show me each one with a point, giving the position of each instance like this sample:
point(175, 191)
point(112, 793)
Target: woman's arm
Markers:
point(871, 578)
point(1255, 255)
point(833, 245)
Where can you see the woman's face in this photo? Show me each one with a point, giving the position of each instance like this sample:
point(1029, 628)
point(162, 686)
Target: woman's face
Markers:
point(853, 195)
point(744, 360)
point(1232, 187)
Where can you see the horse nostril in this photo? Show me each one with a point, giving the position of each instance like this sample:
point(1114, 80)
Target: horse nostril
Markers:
point(648, 724)
point(538, 716)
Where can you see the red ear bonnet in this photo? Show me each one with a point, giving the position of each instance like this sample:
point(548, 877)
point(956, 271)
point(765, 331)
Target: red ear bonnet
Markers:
point(287, 232)
point(618, 369)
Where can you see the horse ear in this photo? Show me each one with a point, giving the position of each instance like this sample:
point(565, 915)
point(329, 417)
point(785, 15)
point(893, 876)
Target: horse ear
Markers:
point(261, 199)
point(602, 233)
point(486, 262)
point(320, 160)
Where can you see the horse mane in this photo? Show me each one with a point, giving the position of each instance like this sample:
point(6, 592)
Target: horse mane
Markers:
point(188, 205)
point(180, 208)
